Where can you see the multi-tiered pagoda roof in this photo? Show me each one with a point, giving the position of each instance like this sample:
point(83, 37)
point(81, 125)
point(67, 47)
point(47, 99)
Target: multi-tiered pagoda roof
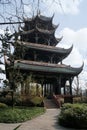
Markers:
point(36, 53)
point(38, 36)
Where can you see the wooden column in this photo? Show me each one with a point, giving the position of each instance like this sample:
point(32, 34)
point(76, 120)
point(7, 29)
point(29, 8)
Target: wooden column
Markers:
point(69, 98)
point(44, 89)
point(70, 82)
point(42, 84)
point(56, 88)
point(51, 58)
point(50, 90)
point(35, 56)
point(64, 90)
point(36, 38)
point(47, 88)
point(49, 41)
point(59, 85)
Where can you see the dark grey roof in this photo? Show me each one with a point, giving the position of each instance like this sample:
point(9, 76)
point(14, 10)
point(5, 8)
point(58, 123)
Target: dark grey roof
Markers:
point(47, 48)
point(44, 31)
point(40, 17)
point(44, 18)
point(47, 67)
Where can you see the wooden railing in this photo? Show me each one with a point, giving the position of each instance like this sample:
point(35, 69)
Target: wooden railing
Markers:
point(61, 99)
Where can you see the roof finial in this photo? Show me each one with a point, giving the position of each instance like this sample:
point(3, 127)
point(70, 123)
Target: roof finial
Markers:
point(38, 7)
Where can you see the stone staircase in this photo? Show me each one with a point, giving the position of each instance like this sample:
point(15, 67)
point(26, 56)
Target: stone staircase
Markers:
point(49, 104)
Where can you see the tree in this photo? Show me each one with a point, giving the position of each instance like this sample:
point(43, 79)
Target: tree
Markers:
point(8, 41)
point(16, 10)
point(76, 86)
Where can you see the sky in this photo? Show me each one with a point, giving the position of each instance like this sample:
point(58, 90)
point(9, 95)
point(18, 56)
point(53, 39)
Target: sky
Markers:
point(72, 20)
point(71, 15)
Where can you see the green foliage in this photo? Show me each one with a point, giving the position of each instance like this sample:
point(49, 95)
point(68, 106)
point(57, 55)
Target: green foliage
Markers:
point(66, 106)
point(8, 100)
point(3, 93)
point(77, 99)
point(73, 115)
point(16, 115)
point(37, 101)
point(2, 106)
point(31, 87)
point(82, 99)
point(23, 100)
point(35, 89)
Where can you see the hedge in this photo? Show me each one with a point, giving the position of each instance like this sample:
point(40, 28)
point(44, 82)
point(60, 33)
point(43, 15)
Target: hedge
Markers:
point(73, 115)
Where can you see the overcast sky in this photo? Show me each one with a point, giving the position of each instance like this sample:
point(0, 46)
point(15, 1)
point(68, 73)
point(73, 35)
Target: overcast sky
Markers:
point(73, 27)
point(71, 14)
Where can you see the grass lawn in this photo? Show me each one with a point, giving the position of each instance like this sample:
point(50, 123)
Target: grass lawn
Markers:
point(17, 114)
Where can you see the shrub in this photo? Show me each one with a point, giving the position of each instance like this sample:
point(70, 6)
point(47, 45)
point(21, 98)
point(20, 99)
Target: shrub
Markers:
point(2, 105)
point(77, 100)
point(66, 106)
point(80, 99)
point(84, 99)
point(8, 100)
point(37, 101)
point(29, 101)
point(23, 100)
point(73, 115)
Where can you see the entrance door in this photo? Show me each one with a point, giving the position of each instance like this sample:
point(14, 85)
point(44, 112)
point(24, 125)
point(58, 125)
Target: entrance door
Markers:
point(48, 90)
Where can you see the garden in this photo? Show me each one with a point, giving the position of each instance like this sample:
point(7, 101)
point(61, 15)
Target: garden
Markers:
point(18, 114)
point(73, 116)
point(16, 107)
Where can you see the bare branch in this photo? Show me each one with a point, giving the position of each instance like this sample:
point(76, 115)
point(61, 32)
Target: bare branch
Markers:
point(5, 2)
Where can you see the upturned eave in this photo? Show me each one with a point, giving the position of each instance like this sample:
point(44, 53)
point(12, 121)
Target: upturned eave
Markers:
point(47, 67)
point(46, 48)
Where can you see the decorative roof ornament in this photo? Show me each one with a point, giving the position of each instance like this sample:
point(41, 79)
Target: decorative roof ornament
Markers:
point(38, 8)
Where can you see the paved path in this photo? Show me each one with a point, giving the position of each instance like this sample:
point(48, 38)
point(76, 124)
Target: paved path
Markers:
point(47, 121)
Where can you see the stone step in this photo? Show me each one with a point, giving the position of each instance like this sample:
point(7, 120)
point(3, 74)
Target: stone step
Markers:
point(49, 104)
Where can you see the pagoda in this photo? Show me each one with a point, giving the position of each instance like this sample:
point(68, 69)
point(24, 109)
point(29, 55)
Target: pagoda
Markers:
point(40, 57)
